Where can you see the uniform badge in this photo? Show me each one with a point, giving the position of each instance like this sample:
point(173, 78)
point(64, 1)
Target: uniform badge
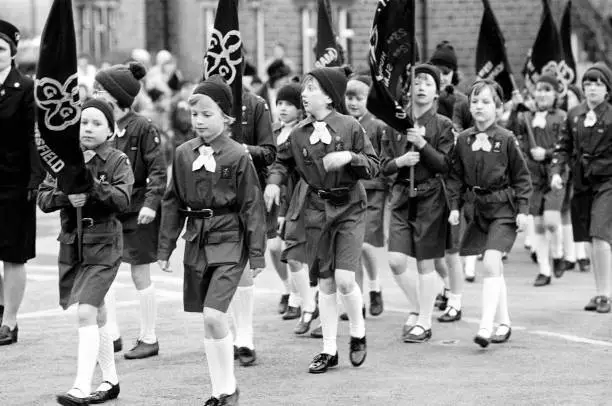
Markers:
point(497, 146)
point(305, 153)
point(102, 177)
point(338, 138)
point(339, 146)
point(226, 172)
point(17, 84)
point(156, 139)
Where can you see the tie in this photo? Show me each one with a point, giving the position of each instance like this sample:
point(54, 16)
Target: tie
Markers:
point(591, 119)
point(539, 120)
point(88, 155)
point(320, 133)
point(481, 143)
point(284, 135)
point(206, 160)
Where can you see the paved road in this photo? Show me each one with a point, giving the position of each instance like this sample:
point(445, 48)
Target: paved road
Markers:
point(558, 354)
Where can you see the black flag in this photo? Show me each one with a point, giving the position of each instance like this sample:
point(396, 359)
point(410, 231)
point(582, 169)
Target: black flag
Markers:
point(327, 51)
point(224, 54)
point(393, 50)
point(546, 54)
point(491, 58)
point(569, 76)
point(57, 96)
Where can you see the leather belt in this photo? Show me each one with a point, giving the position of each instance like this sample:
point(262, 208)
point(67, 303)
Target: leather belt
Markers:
point(478, 191)
point(207, 213)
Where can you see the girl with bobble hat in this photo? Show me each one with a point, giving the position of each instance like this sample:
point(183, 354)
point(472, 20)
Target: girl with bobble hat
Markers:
point(214, 188)
point(86, 281)
point(140, 140)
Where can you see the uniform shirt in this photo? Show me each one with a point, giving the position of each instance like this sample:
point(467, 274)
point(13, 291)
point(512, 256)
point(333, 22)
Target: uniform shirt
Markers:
point(4, 74)
point(588, 150)
point(110, 194)
point(140, 140)
point(347, 135)
point(435, 158)
point(501, 168)
point(455, 105)
point(232, 185)
point(283, 145)
point(375, 130)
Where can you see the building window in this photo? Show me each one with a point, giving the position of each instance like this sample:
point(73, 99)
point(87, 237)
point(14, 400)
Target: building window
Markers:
point(95, 27)
point(208, 11)
point(309, 37)
point(345, 34)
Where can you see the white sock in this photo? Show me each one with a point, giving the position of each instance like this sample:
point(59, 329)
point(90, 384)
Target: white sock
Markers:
point(353, 303)
point(428, 291)
point(470, 265)
point(569, 248)
point(243, 316)
point(556, 243)
point(328, 308)
point(110, 302)
point(106, 356)
point(148, 315)
point(530, 231)
point(89, 343)
point(286, 285)
point(541, 245)
point(446, 282)
point(302, 285)
point(294, 300)
point(409, 284)
point(220, 357)
point(503, 317)
point(491, 287)
point(454, 300)
point(374, 285)
point(581, 250)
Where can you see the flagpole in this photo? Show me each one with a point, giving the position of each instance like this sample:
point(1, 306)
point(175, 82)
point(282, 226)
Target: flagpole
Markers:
point(413, 191)
point(79, 220)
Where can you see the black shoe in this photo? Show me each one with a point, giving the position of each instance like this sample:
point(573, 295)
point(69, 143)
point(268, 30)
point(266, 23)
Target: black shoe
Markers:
point(584, 264)
point(317, 332)
point(504, 256)
point(376, 303)
point(603, 306)
point(569, 265)
point(592, 305)
point(441, 300)
point(470, 278)
point(501, 338)
point(283, 304)
point(142, 350)
point(534, 257)
point(102, 396)
point(304, 324)
point(1, 313)
point(118, 345)
point(412, 337)
point(8, 336)
point(235, 353)
point(344, 316)
point(212, 401)
point(482, 341)
point(450, 315)
point(322, 362)
point(229, 400)
point(558, 267)
point(358, 350)
point(67, 399)
point(542, 280)
point(246, 356)
point(292, 313)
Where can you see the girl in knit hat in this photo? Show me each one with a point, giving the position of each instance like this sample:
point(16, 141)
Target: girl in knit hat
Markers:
point(586, 146)
point(331, 153)
point(214, 188)
point(140, 140)
point(86, 281)
point(418, 227)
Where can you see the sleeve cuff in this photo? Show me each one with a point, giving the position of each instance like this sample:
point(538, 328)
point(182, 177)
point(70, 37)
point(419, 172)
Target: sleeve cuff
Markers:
point(163, 255)
point(454, 205)
point(257, 262)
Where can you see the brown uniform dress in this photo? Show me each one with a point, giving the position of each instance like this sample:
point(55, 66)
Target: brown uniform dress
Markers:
point(87, 281)
point(418, 225)
point(225, 222)
point(140, 141)
point(588, 152)
point(20, 169)
point(334, 208)
point(500, 182)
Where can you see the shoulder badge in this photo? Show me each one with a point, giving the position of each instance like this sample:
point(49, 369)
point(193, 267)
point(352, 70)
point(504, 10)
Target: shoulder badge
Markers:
point(226, 172)
point(102, 177)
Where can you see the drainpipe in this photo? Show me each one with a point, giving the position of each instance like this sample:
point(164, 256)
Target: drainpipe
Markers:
point(424, 32)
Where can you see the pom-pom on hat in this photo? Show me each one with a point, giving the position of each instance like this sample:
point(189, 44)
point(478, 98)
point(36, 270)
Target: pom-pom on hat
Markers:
point(219, 91)
point(599, 71)
point(122, 82)
point(333, 83)
point(430, 70)
point(10, 34)
point(444, 55)
point(291, 93)
point(105, 108)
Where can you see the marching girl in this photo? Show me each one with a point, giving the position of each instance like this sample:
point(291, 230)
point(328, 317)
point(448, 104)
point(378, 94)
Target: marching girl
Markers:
point(215, 187)
point(418, 225)
point(86, 280)
point(487, 159)
point(331, 153)
point(586, 145)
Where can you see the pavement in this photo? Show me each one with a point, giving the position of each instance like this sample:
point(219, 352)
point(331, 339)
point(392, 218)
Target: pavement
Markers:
point(558, 353)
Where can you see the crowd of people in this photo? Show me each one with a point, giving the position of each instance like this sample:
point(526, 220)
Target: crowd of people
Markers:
point(309, 174)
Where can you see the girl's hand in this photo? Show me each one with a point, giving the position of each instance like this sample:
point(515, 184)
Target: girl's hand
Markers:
point(453, 218)
point(521, 221)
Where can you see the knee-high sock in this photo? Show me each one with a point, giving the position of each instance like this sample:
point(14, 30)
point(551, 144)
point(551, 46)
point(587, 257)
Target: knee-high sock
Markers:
point(220, 357)
point(491, 287)
point(470, 265)
point(581, 250)
point(89, 343)
point(148, 314)
point(353, 303)
point(295, 300)
point(556, 243)
point(110, 302)
point(602, 266)
point(541, 244)
point(106, 356)
point(14, 289)
point(428, 289)
point(243, 304)
point(302, 284)
point(328, 307)
point(530, 231)
point(408, 282)
point(569, 247)
point(503, 317)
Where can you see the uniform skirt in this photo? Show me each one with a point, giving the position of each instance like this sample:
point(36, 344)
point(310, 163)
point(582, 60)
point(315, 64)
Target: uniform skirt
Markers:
point(375, 215)
point(418, 226)
point(546, 199)
point(593, 203)
point(139, 240)
point(17, 226)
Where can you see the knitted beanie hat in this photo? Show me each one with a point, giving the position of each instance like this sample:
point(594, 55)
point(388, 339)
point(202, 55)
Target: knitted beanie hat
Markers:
point(444, 55)
point(599, 71)
point(122, 82)
point(333, 83)
point(550, 79)
point(219, 91)
point(105, 108)
point(430, 70)
point(291, 93)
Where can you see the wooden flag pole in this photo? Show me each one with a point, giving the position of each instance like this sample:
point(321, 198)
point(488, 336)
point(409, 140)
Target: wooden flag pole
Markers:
point(413, 191)
point(79, 221)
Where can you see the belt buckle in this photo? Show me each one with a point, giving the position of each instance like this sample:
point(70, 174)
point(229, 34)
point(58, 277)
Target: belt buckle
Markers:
point(322, 194)
point(87, 222)
point(207, 213)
